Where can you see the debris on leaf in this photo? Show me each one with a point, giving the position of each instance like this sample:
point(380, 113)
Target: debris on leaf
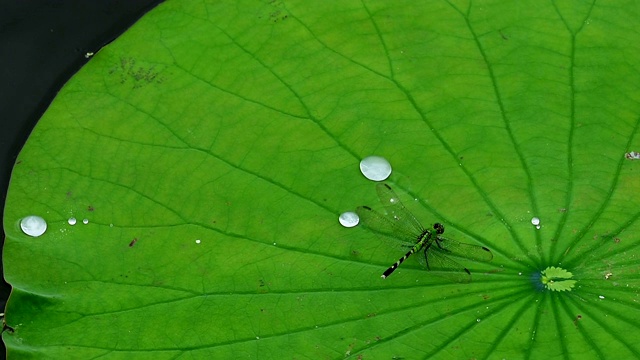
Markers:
point(632, 155)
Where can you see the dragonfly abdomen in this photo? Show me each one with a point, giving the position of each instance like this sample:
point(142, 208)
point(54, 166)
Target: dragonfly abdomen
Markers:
point(422, 240)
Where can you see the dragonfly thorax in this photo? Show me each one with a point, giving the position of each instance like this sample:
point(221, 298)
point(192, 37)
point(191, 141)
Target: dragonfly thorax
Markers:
point(424, 236)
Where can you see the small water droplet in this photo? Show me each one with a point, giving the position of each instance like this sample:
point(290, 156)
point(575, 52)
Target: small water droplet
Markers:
point(348, 219)
point(110, 225)
point(33, 225)
point(375, 168)
point(478, 320)
point(601, 297)
point(535, 221)
point(72, 221)
point(85, 221)
point(198, 241)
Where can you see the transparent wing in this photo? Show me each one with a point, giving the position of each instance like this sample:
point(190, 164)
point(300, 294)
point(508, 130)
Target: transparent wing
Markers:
point(445, 267)
point(384, 225)
point(396, 210)
point(467, 251)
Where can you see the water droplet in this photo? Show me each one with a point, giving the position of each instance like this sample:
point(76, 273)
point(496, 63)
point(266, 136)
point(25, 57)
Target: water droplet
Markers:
point(349, 219)
point(375, 168)
point(33, 225)
point(478, 320)
point(72, 221)
point(601, 297)
point(535, 221)
point(198, 241)
point(85, 221)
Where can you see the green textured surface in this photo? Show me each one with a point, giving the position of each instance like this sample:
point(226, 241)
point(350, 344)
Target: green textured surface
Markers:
point(241, 124)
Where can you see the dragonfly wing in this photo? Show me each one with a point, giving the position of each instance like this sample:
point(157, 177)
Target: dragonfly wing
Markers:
point(467, 251)
point(381, 224)
point(446, 267)
point(396, 209)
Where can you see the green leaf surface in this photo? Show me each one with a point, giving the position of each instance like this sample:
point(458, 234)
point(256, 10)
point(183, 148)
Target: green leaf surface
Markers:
point(212, 147)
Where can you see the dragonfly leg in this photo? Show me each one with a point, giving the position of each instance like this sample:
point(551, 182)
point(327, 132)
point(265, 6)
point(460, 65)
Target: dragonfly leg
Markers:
point(438, 242)
point(426, 255)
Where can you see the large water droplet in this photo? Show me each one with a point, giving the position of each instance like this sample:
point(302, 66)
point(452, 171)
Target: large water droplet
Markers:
point(349, 219)
point(72, 221)
point(375, 168)
point(33, 225)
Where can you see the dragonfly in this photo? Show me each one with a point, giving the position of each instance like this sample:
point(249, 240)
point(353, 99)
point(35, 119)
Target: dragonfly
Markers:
point(400, 224)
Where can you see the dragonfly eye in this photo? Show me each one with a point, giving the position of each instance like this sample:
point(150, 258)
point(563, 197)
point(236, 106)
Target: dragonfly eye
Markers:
point(439, 228)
